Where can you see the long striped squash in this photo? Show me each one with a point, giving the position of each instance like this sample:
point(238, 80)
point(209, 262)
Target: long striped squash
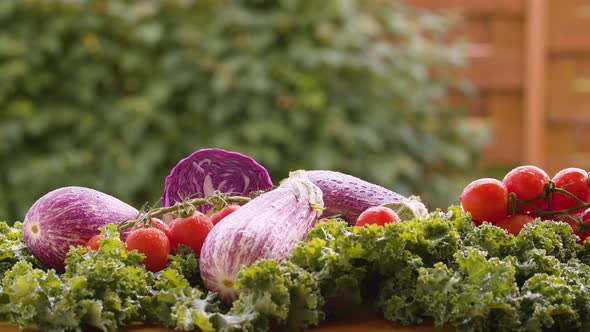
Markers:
point(266, 227)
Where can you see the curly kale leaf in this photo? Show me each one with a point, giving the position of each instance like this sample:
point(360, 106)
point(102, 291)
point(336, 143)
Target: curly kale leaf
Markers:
point(396, 296)
point(577, 275)
point(471, 292)
point(109, 278)
point(13, 248)
point(549, 302)
point(559, 299)
point(272, 293)
point(186, 262)
point(556, 238)
point(584, 252)
point(354, 265)
point(29, 295)
point(99, 289)
point(174, 303)
point(403, 250)
point(282, 293)
point(433, 239)
point(460, 220)
point(494, 240)
point(169, 286)
point(436, 291)
point(535, 261)
point(191, 310)
point(336, 254)
point(474, 293)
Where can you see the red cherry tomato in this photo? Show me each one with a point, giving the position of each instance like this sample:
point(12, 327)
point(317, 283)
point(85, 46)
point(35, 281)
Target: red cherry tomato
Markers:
point(93, 242)
point(486, 200)
point(527, 182)
point(514, 224)
point(159, 224)
point(379, 215)
point(575, 181)
point(153, 243)
point(217, 216)
point(585, 216)
point(191, 231)
point(573, 224)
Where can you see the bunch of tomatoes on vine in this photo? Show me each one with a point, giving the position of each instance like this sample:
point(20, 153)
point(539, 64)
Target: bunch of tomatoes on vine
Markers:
point(156, 239)
point(527, 193)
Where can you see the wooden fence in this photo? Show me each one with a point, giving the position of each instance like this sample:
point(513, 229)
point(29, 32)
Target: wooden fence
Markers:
point(530, 60)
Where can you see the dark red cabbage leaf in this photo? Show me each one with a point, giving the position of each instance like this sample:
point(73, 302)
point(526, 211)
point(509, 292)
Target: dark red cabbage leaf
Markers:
point(208, 170)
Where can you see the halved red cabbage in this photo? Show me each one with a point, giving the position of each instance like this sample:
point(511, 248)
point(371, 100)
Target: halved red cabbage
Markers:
point(208, 170)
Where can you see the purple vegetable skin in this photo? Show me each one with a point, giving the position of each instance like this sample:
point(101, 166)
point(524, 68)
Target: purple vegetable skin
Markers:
point(349, 196)
point(69, 216)
point(208, 170)
point(266, 227)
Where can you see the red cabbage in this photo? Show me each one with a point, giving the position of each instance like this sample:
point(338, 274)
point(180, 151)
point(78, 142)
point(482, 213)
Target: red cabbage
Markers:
point(208, 170)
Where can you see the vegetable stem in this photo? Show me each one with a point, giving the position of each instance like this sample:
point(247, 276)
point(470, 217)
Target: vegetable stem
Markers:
point(184, 207)
point(549, 194)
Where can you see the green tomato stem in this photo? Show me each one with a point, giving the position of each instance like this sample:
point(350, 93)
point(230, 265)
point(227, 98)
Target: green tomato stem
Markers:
point(185, 207)
point(549, 194)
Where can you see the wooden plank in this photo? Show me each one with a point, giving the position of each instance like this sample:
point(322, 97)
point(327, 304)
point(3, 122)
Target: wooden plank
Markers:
point(474, 8)
point(568, 90)
point(560, 149)
point(495, 53)
point(473, 105)
point(505, 122)
point(534, 96)
point(582, 142)
point(568, 26)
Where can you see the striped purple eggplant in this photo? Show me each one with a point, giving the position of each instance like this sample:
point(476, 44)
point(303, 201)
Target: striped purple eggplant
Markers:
point(69, 216)
point(349, 196)
point(266, 227)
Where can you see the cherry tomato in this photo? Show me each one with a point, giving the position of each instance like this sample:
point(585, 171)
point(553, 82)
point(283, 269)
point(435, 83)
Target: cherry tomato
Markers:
point(527, 182)
point(191, 231)
point(514, 224)
point(573, 224)
point(159, 224)
point(379, 215)
point(585, 216)
point(217, 216)
point(486, 199)
point(93, 242)
point(575, 181)
point(153, 243)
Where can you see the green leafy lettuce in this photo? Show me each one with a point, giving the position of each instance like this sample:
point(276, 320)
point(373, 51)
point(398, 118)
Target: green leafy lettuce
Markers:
point(13, 248)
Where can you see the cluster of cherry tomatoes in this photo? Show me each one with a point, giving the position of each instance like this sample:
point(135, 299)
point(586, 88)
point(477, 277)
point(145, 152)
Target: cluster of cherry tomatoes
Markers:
point(158, 239)
point(526, 193)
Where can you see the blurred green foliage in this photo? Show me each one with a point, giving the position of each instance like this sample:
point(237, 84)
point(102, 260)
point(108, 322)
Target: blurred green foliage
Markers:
point(111, 94)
